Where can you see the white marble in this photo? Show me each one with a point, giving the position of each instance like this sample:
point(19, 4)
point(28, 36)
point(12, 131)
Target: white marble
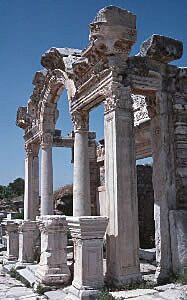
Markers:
point(87, 234)
point(53, 269)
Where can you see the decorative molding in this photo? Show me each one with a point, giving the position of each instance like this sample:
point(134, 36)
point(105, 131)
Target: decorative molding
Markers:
point(140, 109)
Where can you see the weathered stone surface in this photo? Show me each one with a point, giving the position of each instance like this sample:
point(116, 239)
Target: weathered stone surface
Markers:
point(12, 240)
point(178, 229)
point(162, 48)
point(55, 58)
point(87, 234)
point(28, 234)
point(147, 254)
point(53, 269)
point(103, 73)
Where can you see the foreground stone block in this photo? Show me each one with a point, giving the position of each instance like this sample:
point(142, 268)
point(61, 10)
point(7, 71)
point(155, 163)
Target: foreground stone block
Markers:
point(53, 269)
point(87, 233)
point(178, 230)
point(28, 233)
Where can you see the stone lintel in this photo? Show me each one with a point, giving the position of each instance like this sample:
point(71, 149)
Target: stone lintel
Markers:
point(161, 48)
point(87, 227)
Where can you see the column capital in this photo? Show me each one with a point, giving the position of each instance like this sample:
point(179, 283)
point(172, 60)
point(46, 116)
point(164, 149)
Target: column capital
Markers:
point(46, 140)
point(31, 149)
point(117, 97)
point(80, 120)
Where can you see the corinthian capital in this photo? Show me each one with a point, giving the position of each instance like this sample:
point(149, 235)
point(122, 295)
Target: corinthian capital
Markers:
point(32, 149)
point(80, 120)
point(117, 97)
point(46, 140)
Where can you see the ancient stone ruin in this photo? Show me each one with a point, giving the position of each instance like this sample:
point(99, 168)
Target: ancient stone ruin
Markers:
point(145, 114)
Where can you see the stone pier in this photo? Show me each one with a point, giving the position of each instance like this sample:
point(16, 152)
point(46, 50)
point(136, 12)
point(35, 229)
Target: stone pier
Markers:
point(121, 191)
point(12, 240)
point(53, 269)
point(81, 177)
point(28, 233)
point(87, 234)
point(46, 175)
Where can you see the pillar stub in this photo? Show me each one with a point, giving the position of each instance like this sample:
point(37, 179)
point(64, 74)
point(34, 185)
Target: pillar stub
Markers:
point(28, 234)
point(87, 234)
point(12, 234)
point(52, 269)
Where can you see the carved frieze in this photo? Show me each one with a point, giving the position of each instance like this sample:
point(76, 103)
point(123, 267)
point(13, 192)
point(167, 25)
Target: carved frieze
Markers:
point(140, 109)
point(23, 119)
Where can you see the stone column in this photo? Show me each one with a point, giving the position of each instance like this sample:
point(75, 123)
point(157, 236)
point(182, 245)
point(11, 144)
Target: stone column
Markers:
point(28, 233)
point(121, 188)
point(164, 183)
point(35, 182)
point(53, 269)
point(87, 234)
point(81, 177)
point(31, 194)
point(46, 175)
point(12, 240)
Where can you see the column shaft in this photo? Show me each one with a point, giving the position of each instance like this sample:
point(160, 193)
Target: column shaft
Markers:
point(31, 194)
point(28, 188)
point(46, 181)
point(81, 179)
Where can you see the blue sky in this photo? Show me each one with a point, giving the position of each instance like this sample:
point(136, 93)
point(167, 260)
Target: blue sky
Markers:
point(28, 28)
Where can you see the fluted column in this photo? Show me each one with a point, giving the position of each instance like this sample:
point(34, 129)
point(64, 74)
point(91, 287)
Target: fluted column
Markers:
point(121, 189)
point(31, 193)
point(81, 178)
point(46, 175)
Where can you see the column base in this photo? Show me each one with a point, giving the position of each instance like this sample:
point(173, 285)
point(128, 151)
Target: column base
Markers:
point(10, 260)
point(76, 294)
point(162, 275)
point(120, 280)
point(52, 276)
point(22, 265)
